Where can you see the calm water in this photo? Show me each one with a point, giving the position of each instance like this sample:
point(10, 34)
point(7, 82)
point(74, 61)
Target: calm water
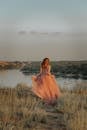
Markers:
point(10, 78)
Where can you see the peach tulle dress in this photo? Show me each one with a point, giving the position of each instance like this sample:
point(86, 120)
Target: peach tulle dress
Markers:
point(44, 85)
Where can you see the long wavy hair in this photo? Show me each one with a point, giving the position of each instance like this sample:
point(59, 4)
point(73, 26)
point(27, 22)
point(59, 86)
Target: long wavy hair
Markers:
point(43, 65)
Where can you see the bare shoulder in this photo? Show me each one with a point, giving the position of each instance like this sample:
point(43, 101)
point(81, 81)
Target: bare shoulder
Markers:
point(49, 66)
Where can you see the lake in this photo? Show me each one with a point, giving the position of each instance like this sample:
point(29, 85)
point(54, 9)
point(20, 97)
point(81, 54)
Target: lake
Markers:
point(10, 78)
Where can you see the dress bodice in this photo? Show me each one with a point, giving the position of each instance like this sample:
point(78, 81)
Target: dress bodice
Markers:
point(45, 70)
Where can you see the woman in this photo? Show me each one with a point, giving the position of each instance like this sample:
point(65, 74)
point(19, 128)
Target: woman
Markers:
point(44, 84)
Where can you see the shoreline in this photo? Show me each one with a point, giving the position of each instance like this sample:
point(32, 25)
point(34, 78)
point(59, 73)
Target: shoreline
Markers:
point(66, 69)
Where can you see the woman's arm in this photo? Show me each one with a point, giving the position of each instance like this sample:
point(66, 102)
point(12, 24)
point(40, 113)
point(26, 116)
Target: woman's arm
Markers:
point(40, 69)
point(39, 72)
point(49, 69)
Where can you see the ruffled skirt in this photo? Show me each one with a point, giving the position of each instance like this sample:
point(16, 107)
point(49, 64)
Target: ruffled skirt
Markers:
point(45, 87)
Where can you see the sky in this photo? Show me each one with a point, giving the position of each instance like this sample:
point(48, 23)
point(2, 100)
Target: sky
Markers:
point(28, 29)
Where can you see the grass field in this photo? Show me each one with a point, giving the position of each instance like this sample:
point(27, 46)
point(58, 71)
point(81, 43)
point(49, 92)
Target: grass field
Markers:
point(20, 109)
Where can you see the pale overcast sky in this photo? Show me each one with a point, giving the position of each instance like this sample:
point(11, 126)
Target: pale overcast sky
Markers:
point(19, 18)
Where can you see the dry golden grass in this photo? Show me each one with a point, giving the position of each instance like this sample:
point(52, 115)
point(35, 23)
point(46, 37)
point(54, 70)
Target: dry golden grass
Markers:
point(20, 109)
point(74, 105)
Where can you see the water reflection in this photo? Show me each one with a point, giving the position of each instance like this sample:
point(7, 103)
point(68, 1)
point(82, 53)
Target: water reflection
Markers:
point(10, 78)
